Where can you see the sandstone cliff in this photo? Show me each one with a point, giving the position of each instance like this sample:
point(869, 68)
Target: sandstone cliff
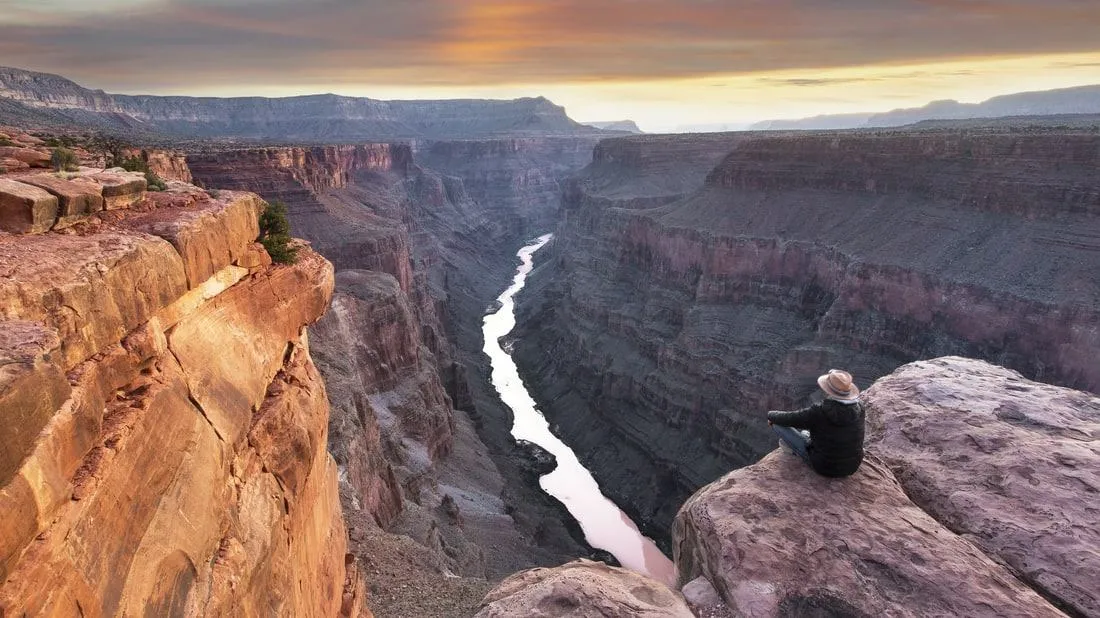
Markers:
point(666, 325)
point(165, 426)
point(974, 501)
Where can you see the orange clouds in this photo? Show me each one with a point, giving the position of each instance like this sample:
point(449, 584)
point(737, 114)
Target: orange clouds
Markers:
point(490, 32)
point(343, 44)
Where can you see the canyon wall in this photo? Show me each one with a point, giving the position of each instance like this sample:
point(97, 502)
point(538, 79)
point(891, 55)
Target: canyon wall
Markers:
point(31, 97)
point(165, 426)
point(662, 325)
point(420, 437)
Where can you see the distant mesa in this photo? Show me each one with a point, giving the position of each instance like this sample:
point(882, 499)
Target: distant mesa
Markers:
point(41, 100)
point(1083, 100)
point(716, 127)
point(627, 126)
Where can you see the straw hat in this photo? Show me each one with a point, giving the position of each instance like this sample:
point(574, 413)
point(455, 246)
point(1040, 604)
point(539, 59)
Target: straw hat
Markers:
point(838, 385)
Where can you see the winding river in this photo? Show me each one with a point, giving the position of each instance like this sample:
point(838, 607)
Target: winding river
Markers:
point(605, 525)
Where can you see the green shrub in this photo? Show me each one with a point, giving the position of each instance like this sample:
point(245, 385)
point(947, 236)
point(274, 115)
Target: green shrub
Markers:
point(156, 183)
point(134, 164)
point(64, 160)
point(214, 193)
point(275, 234)
point(6, 142)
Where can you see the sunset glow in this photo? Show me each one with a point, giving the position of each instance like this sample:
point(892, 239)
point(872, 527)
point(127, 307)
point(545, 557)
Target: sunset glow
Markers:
point(664, 64)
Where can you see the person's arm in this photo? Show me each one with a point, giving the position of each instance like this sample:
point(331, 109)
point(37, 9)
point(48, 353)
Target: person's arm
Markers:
point(799, 419)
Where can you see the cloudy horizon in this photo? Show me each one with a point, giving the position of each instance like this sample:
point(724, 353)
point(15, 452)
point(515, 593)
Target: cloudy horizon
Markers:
point(661, 63)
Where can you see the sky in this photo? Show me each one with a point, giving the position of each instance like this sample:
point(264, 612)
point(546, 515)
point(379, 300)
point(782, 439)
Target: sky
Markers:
point(662, 63)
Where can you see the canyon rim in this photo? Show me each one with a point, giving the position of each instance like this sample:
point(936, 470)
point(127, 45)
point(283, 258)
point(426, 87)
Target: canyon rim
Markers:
point(341, 310)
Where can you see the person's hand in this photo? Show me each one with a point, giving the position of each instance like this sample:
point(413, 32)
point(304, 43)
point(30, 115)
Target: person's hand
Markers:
point(769, 423)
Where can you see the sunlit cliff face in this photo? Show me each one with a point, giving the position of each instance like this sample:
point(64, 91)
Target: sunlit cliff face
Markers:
point(661, 62)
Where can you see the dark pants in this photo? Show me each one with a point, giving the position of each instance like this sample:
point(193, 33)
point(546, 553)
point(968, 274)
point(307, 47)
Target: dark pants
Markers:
point(795, 439)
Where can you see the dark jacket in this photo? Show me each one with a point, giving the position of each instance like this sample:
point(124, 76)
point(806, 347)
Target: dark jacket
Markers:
point(836, 435)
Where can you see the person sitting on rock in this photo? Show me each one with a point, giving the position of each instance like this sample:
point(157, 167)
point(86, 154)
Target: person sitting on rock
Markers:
point(834, 446)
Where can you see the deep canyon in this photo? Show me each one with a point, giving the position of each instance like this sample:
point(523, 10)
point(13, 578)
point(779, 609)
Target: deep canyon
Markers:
point(669, 315)
point(344, 411)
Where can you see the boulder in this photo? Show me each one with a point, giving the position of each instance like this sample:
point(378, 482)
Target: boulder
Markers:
point(76, 198)
point(704, 600)
point(582, 589)
point(1011, 465)
point(25, 209)
point(775, 539)
point(209, 234)
point(121, 189)
point(30, 156)
point(12, 165)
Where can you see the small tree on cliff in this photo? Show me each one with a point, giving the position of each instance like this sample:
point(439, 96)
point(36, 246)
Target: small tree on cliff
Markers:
point(275, 234)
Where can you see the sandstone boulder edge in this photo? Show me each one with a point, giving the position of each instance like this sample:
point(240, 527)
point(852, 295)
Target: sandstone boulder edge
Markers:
point(973, 500)
point(583, 589)
point(1009, 464)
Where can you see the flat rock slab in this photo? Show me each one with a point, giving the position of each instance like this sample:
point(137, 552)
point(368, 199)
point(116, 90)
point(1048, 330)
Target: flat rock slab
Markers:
point(25, 209)
point(121, 189)
point(76, 198)
point(775, 539)
point(30, 156)
point(1011, 464)
point(582, 589)
point(209, 234)
point(12, 165)
point(92, 289)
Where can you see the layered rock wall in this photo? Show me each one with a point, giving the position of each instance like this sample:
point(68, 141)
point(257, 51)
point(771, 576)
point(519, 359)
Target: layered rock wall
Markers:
point(166, 431)
point(418, 257)
point(667, 326)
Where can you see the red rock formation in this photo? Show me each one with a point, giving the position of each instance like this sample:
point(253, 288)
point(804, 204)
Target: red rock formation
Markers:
point(384, 389)
point(972, 493)
point(165, 439)
point(583, 589)
point(167, 164)
point(1009, 464)
point(777, 540)
point(668, 325)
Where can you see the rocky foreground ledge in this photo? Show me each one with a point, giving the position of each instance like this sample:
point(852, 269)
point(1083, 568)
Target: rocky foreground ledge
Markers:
point(980, 496)
point(162, 422)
